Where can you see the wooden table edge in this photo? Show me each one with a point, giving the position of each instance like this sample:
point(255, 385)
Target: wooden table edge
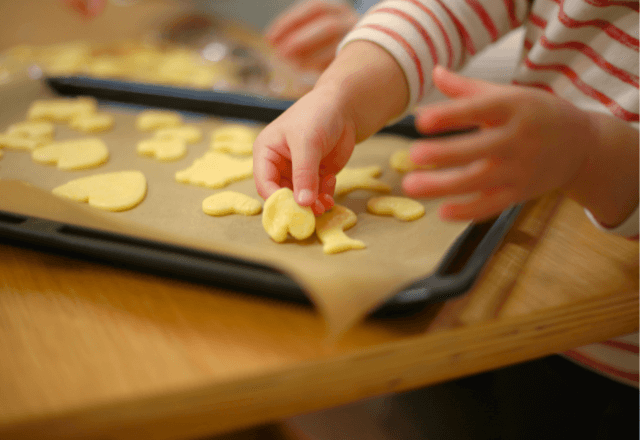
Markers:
point(393, 367)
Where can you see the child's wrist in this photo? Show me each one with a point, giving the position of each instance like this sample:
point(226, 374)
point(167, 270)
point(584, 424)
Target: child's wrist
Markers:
point(367, 83)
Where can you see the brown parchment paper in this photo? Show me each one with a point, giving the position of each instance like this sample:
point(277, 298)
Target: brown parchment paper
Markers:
point(344, 286)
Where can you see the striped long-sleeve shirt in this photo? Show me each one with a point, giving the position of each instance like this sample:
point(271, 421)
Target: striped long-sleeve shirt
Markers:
point(585, 51)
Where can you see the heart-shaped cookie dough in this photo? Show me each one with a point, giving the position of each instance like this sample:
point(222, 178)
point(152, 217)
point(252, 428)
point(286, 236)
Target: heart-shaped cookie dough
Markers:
point(118, 191)
point(282, 215)
point(76, 154)
point(216, 170)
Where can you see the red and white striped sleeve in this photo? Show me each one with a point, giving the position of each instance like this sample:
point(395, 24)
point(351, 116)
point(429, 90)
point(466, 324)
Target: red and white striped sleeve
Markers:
point(420, 34)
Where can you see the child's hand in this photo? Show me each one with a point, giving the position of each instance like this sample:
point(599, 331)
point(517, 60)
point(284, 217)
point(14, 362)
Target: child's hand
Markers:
point(308, 33)
point(88, 8)
point(303, 149)
point(529, 142)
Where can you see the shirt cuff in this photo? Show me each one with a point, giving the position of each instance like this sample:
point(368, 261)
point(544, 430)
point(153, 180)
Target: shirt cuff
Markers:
point(628, 228)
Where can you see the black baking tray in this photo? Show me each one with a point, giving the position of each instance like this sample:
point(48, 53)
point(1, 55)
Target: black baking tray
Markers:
point(225, 104)
point(457, 272)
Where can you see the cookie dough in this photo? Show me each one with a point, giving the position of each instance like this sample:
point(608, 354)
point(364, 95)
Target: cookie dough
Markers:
point(402, 208)
point(163, 149)
point(74, 154)
point(231, 202)
point(282, 215)
point(92, 123)
point(330, 228)
point(150, 120)
point(118, 191)
point(351, 179)
point(61, 110)
point(41, 130)
point(216, 170)
point(188, 133)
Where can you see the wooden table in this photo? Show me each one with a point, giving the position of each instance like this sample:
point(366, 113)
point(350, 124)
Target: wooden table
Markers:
point(93, 351)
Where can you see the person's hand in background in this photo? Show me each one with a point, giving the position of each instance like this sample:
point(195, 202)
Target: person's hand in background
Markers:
point(529, 142)
point(308, 33)
point(88, 8)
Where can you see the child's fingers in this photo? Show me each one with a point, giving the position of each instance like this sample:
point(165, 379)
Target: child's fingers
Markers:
point(270, 170)
point(306, 155)
point(483, 206)
point(318, 60)
point(460, 149)
point(299, 15)
point(327, 187)
point(485, 111)
point(478, 176)
point(313, 37)
point(454, 85)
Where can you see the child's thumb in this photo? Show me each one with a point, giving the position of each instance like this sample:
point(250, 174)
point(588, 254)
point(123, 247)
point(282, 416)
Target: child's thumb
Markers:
point(453, 85)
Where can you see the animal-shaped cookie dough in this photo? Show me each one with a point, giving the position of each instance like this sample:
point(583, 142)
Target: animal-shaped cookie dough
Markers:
point(234, 139)
point(15, 142)
point(74, 154)
point(188, 133)
point(402, 163)
point(92, 122)
point(231, 202)
point(61, 110)
point(118, 191)
point(41, 130)
point(330, 228)
point(281, 215)
point(402, 208)
point(216, 170)
point(351, 179)
point(163, 149)
point(150, 120)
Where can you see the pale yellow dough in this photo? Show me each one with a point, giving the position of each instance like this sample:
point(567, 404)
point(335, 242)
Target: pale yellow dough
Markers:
point(402, 208)
point(40, 130)
point(163, 149)
point(231, 202)
point(118, 191)
point(92, 123)
point(15, 142)
point(351, 179)
point(281, 215)
point(234, 139)
point(61, 110)
point(330, 228)
point(188, 133)
point(150, 120)
point(74, 154)
point(402, 163)
point(216, 170)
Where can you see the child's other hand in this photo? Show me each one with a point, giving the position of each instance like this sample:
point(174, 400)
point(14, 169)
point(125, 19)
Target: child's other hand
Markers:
point(88, 8)
point(529, 142)
point(303, 149)
point(308, 33)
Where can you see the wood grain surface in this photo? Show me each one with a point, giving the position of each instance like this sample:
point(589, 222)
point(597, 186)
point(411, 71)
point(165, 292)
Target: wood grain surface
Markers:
point(93, 351)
